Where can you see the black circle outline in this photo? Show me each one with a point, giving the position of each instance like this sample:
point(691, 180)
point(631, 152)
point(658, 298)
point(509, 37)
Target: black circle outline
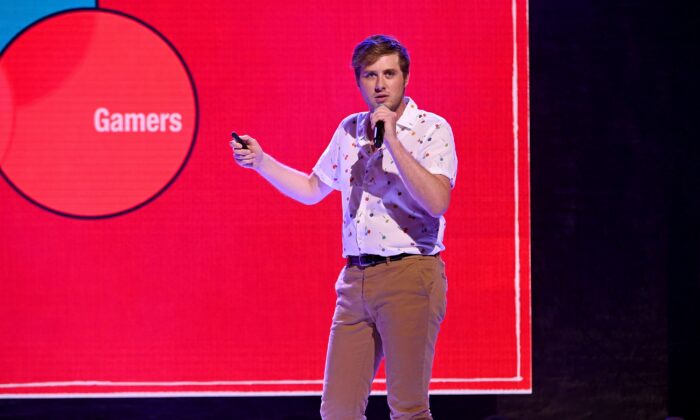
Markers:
point(196, 116)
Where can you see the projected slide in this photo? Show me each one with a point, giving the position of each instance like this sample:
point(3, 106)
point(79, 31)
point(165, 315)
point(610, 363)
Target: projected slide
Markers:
point(136, 258)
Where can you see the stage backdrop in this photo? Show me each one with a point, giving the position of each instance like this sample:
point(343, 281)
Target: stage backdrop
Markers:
point(136, 258)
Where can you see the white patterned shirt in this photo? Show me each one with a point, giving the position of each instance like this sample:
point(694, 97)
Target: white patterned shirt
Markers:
point(379, 215)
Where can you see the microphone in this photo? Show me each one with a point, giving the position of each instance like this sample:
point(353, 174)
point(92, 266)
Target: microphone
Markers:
point(378, 134)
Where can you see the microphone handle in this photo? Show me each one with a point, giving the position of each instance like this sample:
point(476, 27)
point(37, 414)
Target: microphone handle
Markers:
point(378, 134)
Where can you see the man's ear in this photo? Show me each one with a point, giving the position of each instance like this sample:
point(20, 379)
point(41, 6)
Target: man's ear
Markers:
point(405, 83)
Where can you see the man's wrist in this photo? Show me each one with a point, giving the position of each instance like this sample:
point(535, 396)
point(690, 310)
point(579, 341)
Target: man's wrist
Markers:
point(391, 141)
point(259, 168)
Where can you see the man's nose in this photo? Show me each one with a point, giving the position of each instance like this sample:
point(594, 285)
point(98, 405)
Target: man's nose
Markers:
point(379, 85)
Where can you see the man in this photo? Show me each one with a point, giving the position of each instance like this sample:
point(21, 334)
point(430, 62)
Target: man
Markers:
point(391, 294)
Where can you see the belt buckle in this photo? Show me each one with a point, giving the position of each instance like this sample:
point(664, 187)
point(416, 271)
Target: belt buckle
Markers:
point(363, 263)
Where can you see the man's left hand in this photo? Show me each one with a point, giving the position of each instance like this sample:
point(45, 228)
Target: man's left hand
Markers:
point(383, 113)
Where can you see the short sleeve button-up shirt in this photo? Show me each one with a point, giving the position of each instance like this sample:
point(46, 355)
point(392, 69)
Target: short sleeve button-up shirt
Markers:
point(379, 215)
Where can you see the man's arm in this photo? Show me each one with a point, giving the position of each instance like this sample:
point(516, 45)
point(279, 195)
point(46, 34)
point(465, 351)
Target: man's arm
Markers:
point(431, 191)
point(305, 188)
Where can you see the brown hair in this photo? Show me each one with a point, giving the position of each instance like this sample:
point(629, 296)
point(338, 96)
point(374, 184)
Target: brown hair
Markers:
point(375, 46)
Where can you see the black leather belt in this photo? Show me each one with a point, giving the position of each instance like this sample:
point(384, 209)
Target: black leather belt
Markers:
point(368, 260)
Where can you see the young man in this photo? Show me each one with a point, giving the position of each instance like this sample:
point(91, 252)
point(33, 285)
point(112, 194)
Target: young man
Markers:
point(392, 292)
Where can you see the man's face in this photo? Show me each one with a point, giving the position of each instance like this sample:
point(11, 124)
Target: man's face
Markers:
point(382, 83)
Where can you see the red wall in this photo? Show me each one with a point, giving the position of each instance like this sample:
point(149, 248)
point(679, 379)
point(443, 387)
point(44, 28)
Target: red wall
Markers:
point(201, 277)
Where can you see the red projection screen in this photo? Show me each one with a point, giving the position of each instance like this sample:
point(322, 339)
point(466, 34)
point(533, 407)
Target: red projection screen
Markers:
point(137, 259)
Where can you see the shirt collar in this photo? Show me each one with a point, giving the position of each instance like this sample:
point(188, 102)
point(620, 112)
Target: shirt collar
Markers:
point(409, 118)
point(362, 127)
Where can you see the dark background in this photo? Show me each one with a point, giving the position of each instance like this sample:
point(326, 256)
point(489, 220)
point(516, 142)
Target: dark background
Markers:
point(615, 233)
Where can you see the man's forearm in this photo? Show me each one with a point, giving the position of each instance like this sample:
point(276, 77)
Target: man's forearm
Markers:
point(431, 191)
point(289, 181)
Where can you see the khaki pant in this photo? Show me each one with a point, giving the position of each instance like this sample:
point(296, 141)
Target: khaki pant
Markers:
point(390, 310)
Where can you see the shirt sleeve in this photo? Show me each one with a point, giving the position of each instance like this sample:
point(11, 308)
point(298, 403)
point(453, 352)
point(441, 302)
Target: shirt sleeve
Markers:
point(438, 154)
point(327, 167)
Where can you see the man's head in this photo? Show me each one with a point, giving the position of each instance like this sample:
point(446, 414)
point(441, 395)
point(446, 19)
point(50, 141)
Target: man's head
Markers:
point(368, 51)
point(381, 67)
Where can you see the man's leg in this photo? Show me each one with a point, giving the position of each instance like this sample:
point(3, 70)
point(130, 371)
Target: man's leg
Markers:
point(354, 352)
point(410, 298)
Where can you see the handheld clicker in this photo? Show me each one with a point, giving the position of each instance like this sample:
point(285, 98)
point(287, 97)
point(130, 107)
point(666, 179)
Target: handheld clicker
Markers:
point(238, 139)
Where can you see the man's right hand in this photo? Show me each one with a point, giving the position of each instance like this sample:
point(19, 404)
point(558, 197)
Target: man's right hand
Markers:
point(250, 157)
point(305, 188)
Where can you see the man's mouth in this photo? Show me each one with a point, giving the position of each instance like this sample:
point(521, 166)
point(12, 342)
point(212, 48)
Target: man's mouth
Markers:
point(381, 98)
